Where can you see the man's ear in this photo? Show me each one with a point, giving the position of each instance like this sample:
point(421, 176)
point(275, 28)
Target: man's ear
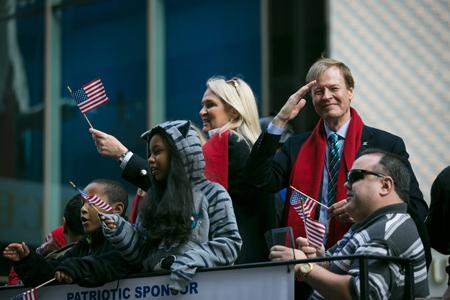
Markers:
point(387, 185)
point(117, 208)
point(350, 93)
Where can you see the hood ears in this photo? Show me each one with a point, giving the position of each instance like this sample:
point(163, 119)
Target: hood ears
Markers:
point(184, 129)
point(146, 136)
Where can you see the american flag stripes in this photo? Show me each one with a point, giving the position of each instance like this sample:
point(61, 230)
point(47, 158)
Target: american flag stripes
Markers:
point(304, 205)
point(315, 231)
point(95, 200)
point(27, 295)
point(90, 95)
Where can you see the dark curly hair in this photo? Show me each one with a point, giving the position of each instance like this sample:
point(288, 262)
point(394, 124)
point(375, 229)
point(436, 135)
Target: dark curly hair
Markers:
point(72, 214)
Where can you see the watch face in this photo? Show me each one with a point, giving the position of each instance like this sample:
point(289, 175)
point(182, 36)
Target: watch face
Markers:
point(305, 268)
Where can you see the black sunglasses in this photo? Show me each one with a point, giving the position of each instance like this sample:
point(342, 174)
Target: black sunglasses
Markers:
point(357, 174)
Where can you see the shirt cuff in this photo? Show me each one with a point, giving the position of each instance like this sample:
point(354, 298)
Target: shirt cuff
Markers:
point(125, 160)
point(272, 129)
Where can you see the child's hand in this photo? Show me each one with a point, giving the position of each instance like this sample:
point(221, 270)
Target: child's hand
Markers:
point(63, 277)
point(108, 221)
point(48, 246)
point(16, 252)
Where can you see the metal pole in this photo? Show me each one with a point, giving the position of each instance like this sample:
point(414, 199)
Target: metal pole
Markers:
point(156, 96)
point(52, 120)
point(364, 278)
point(409, 280)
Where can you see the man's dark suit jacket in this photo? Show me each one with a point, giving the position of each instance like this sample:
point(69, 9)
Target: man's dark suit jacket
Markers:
point(270, 170)
point(137, 172)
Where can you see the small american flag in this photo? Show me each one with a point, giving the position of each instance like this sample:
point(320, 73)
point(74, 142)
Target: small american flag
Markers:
point(315, 232)
point(301, 201)
point(27, 295)
point(95, 200)
point(90, 95)
point(304, 205)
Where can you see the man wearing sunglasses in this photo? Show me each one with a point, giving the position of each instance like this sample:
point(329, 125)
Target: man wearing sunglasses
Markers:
point(377, 197)
point(316, 163)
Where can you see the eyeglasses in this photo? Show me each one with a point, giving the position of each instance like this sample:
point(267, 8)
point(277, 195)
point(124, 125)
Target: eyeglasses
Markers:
point(234, 82)
point(358, 174)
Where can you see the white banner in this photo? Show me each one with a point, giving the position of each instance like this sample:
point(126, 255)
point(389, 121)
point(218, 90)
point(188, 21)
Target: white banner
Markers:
point(261, 283)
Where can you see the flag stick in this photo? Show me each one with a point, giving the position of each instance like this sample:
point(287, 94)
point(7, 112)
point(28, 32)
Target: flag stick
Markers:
point(89, 122)
point(45, 283)
point(321, 204)
point(75, 187)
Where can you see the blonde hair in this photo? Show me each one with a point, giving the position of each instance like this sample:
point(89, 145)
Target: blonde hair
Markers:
point(238, 94)
point(201, 134)
point(323, 64)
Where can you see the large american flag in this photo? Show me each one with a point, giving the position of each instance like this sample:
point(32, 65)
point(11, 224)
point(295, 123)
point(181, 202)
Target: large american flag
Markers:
point(95, 200)
point(27, 295)
point(304, 205)
point(90, 95)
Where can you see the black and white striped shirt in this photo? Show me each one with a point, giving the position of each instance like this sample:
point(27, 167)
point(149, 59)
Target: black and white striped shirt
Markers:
point(389, 231)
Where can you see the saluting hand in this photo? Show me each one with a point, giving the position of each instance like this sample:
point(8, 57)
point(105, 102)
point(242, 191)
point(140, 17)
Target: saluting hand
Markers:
point(293, 106)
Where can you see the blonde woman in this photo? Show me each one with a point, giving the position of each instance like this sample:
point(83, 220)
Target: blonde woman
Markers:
point(230, 118)
point(230, 105)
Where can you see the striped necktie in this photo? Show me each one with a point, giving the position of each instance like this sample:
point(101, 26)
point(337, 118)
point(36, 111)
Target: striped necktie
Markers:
point(333, 166)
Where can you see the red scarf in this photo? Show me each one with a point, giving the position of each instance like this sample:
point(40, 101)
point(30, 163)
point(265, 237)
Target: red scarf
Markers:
point(307, 174)
point(136, 204)
point(215, 151)
point(58, 236)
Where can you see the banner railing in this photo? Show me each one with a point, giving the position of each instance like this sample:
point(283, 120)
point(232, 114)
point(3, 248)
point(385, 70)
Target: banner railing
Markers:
point(233, 273)
point(363, 269)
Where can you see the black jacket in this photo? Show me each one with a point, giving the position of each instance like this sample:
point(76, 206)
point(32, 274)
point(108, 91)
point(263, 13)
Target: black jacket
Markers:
point(438, 221)
point(254, 209)
point(137, 171)
point(91, 262)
